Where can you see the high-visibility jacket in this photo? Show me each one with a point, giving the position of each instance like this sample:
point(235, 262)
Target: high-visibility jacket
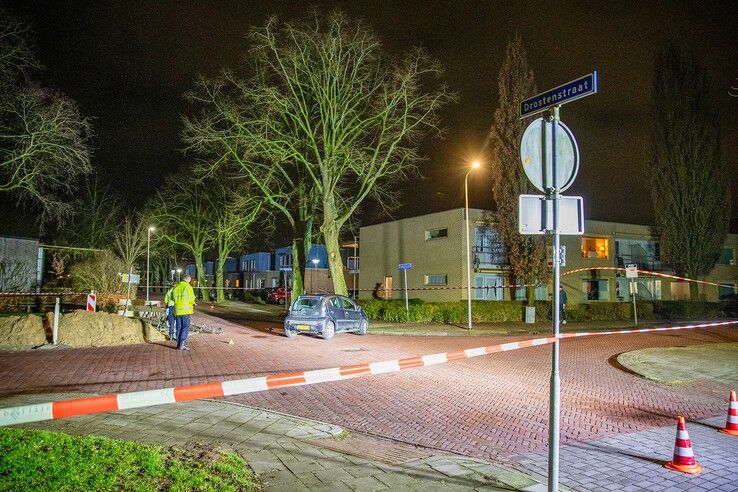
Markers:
point(169, 297)
point(184, 298)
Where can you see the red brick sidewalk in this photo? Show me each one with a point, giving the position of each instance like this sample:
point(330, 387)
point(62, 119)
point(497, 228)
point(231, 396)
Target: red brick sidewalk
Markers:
point(493, 407)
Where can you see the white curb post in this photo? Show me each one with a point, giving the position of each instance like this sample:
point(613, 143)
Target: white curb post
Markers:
point(56, 322)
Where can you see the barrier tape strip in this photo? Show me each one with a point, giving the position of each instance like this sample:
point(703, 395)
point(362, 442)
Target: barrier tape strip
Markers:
point(42, 294)
point(656, 274)
point(124, 401)
point(400, 289)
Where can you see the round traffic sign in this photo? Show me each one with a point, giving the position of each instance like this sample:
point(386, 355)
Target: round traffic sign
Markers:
point(539, 170)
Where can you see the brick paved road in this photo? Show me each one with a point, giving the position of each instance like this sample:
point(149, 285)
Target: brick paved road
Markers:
point(492, 407)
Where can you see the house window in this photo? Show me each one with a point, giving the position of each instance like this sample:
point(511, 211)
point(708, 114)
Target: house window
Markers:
point(436, 233)
point(596, 289)
point(248, 265)
point(488, 248)
point(727, 256)
point(648, 289)
point(726, 290)
point(436, 279)
point(594, 247)
point(285, 260)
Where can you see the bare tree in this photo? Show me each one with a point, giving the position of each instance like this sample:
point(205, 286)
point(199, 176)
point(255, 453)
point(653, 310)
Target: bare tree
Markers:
point(525, 254)
point(130, 241)
point(234, 207)
point(688, 176)
point(183, 214)
point(43, 136)
point(325, 109)
point(97, 216)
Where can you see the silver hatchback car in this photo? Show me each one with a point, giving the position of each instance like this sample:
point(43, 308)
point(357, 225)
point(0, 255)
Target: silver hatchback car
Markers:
point(325, 315)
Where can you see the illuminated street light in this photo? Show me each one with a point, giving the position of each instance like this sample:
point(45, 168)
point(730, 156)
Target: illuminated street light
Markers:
point(474, 165)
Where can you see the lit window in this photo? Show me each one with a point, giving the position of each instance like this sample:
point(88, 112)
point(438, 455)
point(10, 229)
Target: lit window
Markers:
point(727, 256)
point(595, 247)
point(436, 279)
point(436, 233)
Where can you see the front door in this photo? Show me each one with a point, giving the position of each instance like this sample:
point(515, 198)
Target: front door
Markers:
point(488, 286)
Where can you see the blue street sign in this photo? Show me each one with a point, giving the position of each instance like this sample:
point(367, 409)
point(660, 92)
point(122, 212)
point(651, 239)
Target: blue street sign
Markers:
point(406, 266)
point(571, 91)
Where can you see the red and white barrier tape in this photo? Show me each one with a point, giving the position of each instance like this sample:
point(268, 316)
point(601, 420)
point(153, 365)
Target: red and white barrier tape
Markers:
point(655, 274)
point(42, 294)
point(137, 399)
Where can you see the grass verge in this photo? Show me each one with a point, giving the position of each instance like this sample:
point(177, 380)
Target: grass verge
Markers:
point(675, 365)
point(41, 460)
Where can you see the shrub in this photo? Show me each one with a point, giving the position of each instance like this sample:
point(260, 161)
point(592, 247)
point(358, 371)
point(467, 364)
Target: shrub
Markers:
point(99, 273)
point(502, 311)
point(686, 309)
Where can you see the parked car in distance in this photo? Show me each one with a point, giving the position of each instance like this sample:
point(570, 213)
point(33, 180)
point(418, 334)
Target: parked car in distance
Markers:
point(277, 296)
point(325, 315)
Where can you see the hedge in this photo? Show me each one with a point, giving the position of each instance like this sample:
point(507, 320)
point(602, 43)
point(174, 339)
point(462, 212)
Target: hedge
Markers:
point(506, 311)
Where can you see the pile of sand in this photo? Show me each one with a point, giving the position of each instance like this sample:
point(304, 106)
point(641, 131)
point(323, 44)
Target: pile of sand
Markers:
point(85, 329)
point(21, 332)
point(76, 329)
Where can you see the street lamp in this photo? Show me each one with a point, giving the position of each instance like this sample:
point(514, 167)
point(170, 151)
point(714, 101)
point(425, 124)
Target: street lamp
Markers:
point(148, 244)
point(179, 274)
point(474, 165)
point(315, 262)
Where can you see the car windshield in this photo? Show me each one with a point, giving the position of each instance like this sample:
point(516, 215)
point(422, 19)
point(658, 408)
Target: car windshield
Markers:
point(307, 303)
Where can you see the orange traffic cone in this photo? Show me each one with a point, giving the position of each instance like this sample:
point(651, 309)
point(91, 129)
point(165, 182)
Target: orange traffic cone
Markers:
point(683, 456)
point(731, 424)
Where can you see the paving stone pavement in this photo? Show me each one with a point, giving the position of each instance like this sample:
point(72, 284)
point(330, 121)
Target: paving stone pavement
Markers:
point(283, 450)
point(634, 461)
point(491, 408)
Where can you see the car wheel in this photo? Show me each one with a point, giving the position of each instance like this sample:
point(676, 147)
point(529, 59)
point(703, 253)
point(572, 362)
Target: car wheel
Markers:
point(329, 330)
point(290, 333)
point(363, 327)
point(281, 301)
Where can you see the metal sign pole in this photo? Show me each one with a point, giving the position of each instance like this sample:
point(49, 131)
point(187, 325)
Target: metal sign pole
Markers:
point(554, 392)
point(407, 304)
point(633, 292)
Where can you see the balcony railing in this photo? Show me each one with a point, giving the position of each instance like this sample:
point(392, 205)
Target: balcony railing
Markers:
point(643, 262)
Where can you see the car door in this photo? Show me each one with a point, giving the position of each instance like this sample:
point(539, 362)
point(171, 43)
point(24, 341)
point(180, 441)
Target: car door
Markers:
point(352, 313)
point(335, 311)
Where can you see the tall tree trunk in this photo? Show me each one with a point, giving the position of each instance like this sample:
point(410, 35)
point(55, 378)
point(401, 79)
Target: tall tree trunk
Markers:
point(530, 291)
point(219, 291)
point(202, 281)
point(331, 232)
point(299, 257)
point(694, 293)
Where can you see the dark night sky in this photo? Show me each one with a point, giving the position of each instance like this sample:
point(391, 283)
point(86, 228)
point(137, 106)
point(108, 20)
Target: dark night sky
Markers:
point(128, 63)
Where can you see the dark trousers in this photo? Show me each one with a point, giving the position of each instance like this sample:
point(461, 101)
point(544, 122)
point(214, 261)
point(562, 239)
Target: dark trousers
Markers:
point(172, 323)
point(183, 329)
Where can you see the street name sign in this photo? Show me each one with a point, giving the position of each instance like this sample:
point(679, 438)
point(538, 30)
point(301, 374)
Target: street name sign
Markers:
point(535, 215)
point(130, 278)
point(406, 266)
point(571, 91)
point(536, 154)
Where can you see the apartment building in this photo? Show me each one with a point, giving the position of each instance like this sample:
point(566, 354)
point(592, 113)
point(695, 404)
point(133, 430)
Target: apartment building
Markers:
point(434, 245)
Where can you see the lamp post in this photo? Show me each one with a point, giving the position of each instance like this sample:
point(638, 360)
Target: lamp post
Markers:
point(179, 274)
point(148, 259)
point(474, 165)
point(315, 262)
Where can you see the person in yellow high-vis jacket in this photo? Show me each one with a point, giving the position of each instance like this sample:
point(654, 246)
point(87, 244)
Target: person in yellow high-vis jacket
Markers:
point(184, 300)
point(169, 303)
